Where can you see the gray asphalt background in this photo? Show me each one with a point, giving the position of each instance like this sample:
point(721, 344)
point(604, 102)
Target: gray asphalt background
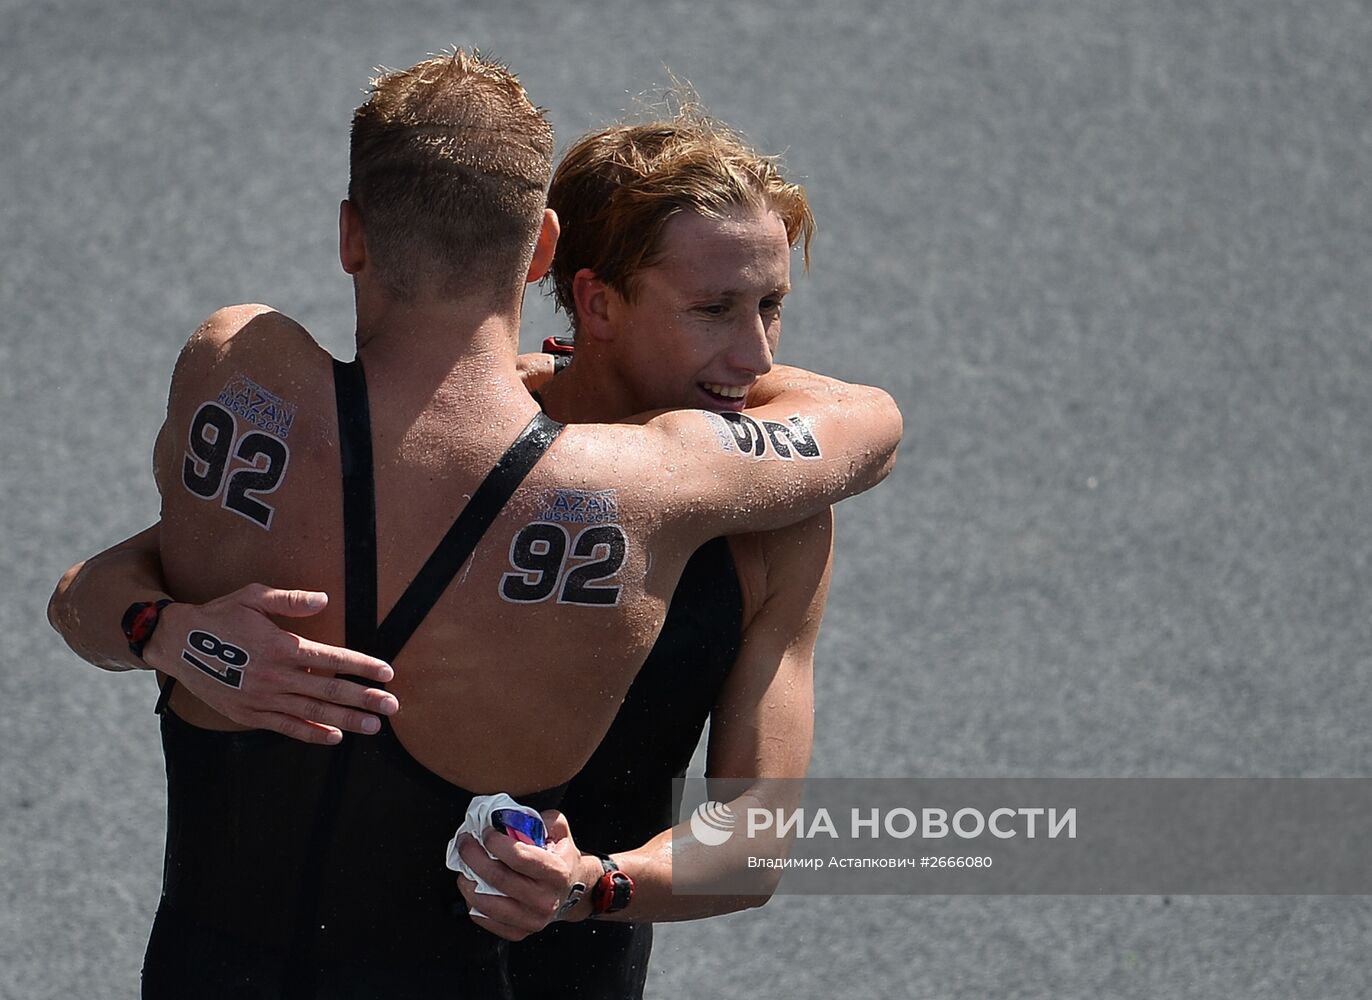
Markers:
point(1113, 260)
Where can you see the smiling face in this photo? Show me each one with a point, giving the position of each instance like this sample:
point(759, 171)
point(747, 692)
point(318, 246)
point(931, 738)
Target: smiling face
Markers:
point(701, 324)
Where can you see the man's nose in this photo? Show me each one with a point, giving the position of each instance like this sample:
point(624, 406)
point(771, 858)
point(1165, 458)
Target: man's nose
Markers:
point(752, 350)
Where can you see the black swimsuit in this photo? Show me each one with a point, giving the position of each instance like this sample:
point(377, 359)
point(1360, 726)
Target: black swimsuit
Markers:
point(624, 795)
point(296, 871)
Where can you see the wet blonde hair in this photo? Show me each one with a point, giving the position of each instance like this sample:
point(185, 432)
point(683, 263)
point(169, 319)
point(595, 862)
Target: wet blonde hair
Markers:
point(616, 189)
point(449, 168)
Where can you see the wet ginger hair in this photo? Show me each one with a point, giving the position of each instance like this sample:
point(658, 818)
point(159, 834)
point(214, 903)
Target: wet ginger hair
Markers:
point(449, 168)
point(616, 189)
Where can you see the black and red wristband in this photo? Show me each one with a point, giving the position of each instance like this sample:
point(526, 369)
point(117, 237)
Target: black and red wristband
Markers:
point(612, 891)
point(140, 621)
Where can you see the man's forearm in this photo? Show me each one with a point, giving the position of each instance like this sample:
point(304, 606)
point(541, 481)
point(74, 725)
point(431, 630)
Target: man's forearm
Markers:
point(651, 867)
point(869, 417)
point(90, 600)
point(279, 692)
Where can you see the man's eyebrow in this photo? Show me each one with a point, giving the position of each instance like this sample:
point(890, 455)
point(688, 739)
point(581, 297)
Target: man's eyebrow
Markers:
point(734, 292)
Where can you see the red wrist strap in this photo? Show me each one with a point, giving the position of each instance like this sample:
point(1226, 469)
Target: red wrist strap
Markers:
point(613, 890)
point(139, 623)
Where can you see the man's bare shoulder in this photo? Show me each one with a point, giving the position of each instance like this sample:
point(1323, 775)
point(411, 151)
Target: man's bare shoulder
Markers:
point(251, 395)
point(602, 455)
point(650, 443)
point(249, 333)
point(254, 352)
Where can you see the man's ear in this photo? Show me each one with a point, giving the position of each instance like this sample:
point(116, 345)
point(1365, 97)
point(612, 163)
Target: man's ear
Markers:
point(545, 247)
point(595, 303)
point(352, 246)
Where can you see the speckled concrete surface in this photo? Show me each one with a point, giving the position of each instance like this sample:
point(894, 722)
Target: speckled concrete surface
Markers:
point(1112, 259)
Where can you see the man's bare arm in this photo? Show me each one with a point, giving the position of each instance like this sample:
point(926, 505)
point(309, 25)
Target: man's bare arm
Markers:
point(277, 690)
point(89, 602)
point(814, 442)
point(761, 728)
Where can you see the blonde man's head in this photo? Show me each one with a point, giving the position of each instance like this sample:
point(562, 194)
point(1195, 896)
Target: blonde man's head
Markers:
point(616, 189)
point(449, 168)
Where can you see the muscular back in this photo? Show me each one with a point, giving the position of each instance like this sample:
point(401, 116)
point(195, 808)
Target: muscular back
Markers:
point(511, 680)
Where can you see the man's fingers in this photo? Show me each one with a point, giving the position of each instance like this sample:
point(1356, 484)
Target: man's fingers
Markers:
point(300, 729)
point(556, 824)
point(290, 603)
point(499, 914)
point(535, 878)
point(534, 863)
point(496, 874)
point(339, 660)
point(271, 686)
point(329, 715)
point(499, 875)
point(349, 694)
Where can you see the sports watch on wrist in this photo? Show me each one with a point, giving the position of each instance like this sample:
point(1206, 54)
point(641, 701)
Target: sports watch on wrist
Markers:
point(612, 891)
point(140, 621)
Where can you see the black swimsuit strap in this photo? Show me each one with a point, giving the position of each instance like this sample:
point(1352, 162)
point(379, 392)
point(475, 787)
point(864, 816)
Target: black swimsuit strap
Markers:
point(385, 641)
point(299, 969)
point(359, 505)
point(359, 521)
point(466, 531)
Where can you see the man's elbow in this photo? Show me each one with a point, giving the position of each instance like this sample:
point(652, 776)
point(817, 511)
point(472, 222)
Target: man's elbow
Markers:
point(883, 428)
point(60, 611)
point(65, 617)
point(892, 428)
